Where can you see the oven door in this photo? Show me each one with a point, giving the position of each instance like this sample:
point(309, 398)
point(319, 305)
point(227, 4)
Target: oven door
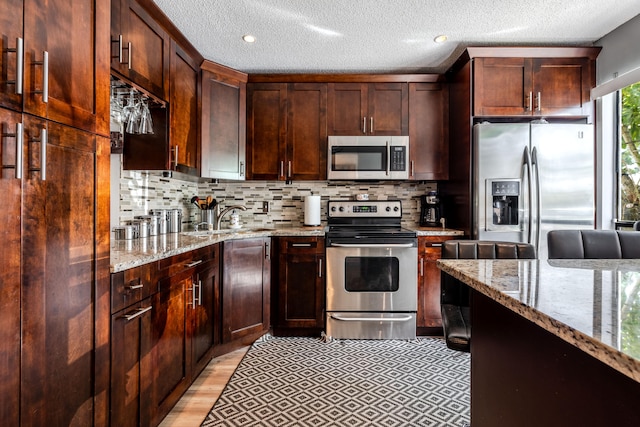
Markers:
point(372, 277)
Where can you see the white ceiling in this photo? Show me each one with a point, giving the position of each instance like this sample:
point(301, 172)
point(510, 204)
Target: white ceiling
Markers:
point(382, 36)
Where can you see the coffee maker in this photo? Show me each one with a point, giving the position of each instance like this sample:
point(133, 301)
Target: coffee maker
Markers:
point(430, 210)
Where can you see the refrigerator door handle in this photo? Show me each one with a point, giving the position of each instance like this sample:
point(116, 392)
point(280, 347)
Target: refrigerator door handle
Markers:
point(526, 164)
point(536, 172)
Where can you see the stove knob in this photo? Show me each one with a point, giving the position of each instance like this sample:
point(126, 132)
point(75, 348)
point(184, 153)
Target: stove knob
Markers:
point(341, 208)
point(396, 209)
point(388, 209)
point(333, 208)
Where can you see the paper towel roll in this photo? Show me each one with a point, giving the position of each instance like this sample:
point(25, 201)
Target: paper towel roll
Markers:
point(312, 210)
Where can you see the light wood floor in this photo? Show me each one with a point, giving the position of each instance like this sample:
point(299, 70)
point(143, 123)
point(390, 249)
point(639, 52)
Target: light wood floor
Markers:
point(195, 404)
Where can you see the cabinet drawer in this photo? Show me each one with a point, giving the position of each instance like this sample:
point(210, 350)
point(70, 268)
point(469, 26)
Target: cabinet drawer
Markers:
point(427, 242)
point(301, 245)
point(178, 263)
point(132, 285)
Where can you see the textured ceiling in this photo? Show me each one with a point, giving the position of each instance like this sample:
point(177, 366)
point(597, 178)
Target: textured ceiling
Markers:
point(382, 36)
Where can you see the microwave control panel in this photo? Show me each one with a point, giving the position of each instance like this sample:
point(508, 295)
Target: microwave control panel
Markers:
point(398, 158)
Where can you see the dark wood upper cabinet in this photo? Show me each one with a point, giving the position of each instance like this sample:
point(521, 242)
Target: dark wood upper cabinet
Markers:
point(532, 86)
point(428, 131)
point(140, 47)
point(62, 61)
point(368, 109)
point(224, 120)
point(184, 120)
point(287, 131)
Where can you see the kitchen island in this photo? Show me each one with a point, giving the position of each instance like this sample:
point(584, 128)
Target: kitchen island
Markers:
point(554, 342)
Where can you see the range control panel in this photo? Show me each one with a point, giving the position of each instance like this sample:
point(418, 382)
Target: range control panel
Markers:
point(364, 209)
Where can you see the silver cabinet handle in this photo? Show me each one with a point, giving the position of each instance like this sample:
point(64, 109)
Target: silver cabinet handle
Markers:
point(388, 158)
point(267, 250)
point(193, 264)
point(364, 125)
point(45, 76)
point(282, 168)
point(241, 168)
point(19, 150)
point(421, 267)
point(43, 154)
point(412, 169)
point(436, 245)
point(129, 55)
point(137, 313)
point(199, 292)
point(120, 49)
point(175, 158)
point(529, 106)
point(134, 287)
point(289, 169)
point(371, 124)
point(19, 51)
point(320, 267)
point(301, 245)
point(538, 103)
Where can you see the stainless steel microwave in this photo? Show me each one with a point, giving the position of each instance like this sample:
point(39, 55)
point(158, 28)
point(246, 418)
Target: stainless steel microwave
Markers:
point(368, 157)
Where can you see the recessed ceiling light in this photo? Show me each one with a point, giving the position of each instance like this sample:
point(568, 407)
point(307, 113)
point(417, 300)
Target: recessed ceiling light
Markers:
point(248, 38)
point(441, 38)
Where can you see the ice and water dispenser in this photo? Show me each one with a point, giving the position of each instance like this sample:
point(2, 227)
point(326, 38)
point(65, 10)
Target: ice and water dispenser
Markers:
point(504, 204)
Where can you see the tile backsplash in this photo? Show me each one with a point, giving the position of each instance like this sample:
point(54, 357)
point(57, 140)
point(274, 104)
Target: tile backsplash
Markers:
point(138, 192)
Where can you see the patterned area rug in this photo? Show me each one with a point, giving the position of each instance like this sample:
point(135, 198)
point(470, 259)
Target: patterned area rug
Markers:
point(307, 382)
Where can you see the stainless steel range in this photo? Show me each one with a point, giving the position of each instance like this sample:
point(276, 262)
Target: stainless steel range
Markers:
point(372, 271)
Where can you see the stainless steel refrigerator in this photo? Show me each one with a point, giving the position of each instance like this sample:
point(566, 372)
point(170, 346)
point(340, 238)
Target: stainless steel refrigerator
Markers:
point(530, 179)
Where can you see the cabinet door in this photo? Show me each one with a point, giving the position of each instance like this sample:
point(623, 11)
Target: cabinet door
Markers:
point(388, 111)
point(266, 131)
point(143, 55)
point(301, 283)
point(10, 188)
point(183, 131)
point(223, 127)
point(502, 87)
point(168, 340)
point(205, 327)
point(66, 62)
point(130, 365)
point(348, 109)
point(428, 131)
point(430, 251)
point(11, 25)
point(307, 132)
point(245, 288)
point(59, 276)
point(561, 86)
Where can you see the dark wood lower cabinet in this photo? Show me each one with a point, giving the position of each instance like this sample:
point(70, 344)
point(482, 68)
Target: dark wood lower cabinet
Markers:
point(131, 367)
point(429, 320)
point(245, 288)
point(299, 295)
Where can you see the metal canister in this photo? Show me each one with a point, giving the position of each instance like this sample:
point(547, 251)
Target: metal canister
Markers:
point(175, 220)
point(143, 227)
point(125, 232)
point(152, 224)
point(161, 215)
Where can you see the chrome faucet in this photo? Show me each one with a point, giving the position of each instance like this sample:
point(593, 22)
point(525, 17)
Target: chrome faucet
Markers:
point(221, 213)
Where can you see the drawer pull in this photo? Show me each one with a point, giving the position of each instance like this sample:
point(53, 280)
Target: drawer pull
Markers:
point(301, 245)
point(134, 287)
point(193, 264)
point(138, 312)
point(436, 245)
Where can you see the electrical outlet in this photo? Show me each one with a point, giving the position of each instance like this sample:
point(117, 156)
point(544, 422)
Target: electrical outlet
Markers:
point(265, 206)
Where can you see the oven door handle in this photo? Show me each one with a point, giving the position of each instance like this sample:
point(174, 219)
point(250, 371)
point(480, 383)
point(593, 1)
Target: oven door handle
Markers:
point(371, 319)
point(372, 245)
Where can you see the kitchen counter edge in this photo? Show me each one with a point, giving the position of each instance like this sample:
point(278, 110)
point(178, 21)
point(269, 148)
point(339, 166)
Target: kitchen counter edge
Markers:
point(126, 254)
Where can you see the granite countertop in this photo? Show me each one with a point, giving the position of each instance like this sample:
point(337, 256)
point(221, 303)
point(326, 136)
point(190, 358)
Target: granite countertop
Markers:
point(127, 254)
point(590, 304)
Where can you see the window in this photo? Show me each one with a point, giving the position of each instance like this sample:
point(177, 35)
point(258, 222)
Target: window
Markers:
point(629, 154)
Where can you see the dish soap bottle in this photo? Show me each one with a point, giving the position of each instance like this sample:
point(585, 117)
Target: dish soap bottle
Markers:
point(234, 220)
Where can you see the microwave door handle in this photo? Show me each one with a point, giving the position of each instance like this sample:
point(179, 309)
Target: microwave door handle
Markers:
point(388, 159)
